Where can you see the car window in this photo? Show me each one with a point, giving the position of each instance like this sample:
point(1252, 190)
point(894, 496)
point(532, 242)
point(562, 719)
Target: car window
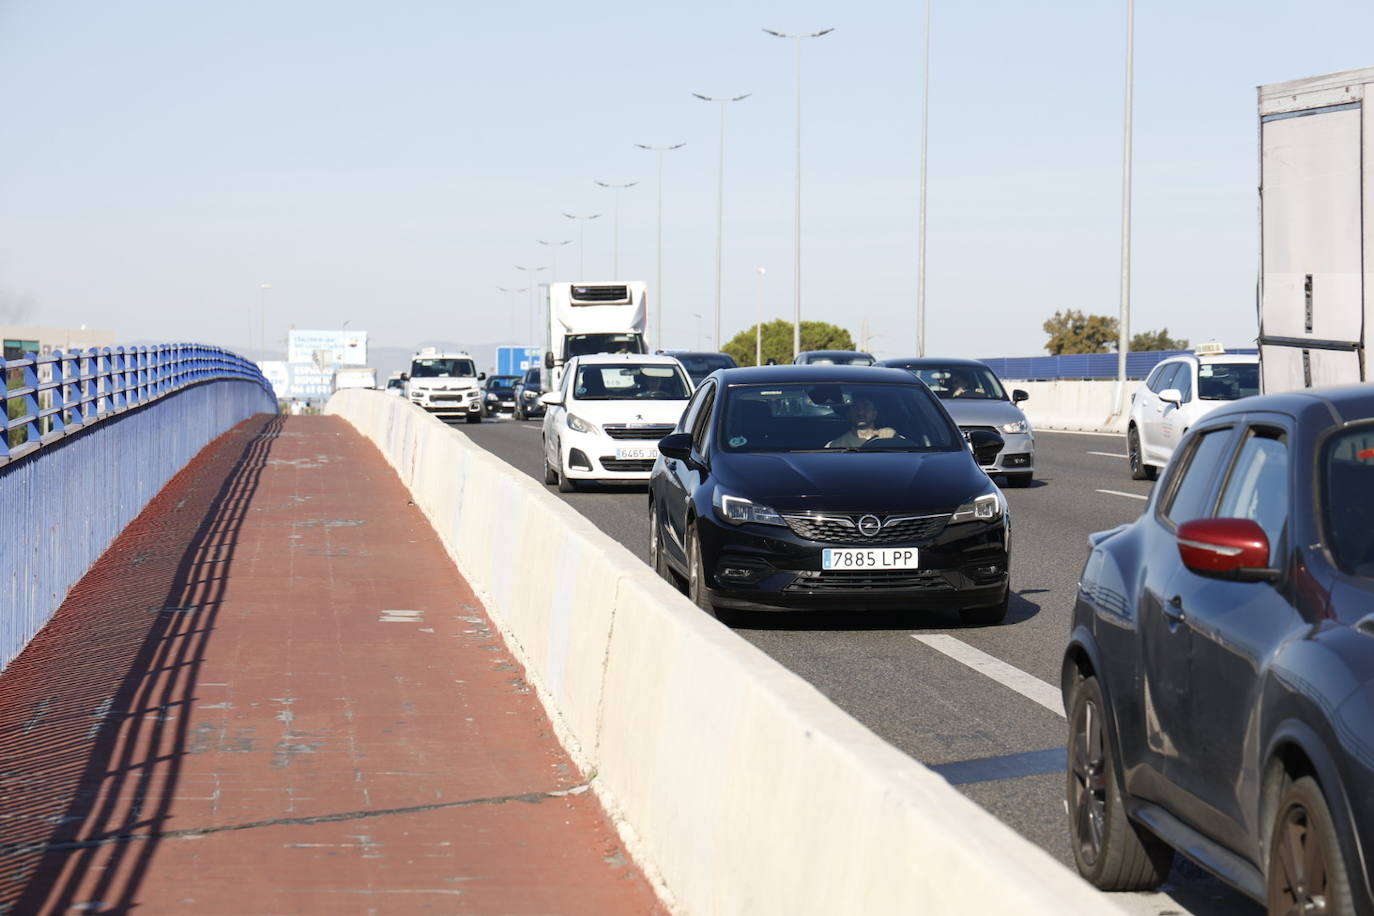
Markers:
point(689, 416)
point(1348, 500)
point(1183, 381)
point(962, 382)
point(1257, 487)
point(631, 382)
point(840, 416)
point(1227, 381)
point(1154, 376)
point(1191, 497)
point(702, 422)
point(1165, 378)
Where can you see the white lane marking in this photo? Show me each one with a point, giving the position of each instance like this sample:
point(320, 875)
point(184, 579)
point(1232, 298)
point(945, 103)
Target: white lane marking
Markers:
point(1127, 495)
point(533, 429)
point(1007, 675)
point(401, 616)
point(1109, 454)
point(1077, 432)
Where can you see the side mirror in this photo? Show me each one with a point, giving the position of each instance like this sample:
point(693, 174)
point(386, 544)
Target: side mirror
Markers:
point(405, 377)
point(481, 376)
point(1019, 394)
point(676, 445)
point(548, 359)
point(551, 399)
point(1172, 395)
point(985, 444)
point(1226, 548)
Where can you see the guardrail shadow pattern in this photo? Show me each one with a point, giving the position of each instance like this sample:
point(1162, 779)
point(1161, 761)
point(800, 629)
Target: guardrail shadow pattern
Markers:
point(94, 713)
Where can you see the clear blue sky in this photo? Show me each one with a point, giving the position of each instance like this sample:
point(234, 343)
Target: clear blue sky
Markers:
point(389, 164)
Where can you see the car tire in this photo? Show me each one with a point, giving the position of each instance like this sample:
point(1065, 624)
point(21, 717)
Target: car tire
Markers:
point(550, 475)
point(1019, 480)
point(474, 418)
point(1139, 469)
point(696, 581)
point(1112, 853)
point(564, 484)
point(987, 616)
point(1306, 866)
point(657, 559)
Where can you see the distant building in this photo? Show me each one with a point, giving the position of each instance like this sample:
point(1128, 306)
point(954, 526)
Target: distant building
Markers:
point(18, 340)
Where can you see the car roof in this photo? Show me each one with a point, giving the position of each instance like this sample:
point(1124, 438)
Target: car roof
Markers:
point(638, 359)
point(1344, 405)
point(677, 353)
point(835, 353)
point(932, 362)
point(763, 375)
point(1212, 358)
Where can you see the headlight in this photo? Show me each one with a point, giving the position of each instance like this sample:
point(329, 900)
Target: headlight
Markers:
point(1018, 426)
point(492, 397)
point(985, 508)
point(737, 510)
point(581, 425)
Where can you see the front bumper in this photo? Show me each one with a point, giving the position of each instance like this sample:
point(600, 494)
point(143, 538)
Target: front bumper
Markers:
point(448, 403)
point(766, 567)
point(592, 456)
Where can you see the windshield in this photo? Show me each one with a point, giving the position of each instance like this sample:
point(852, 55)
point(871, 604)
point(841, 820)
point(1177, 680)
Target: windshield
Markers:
point(442, 368)
point(700, 365)
point(962, 382)
point(395, 383)
point(808, 417)
point(839, 359)
point(591, 344)
point(622, 382)
point(1348, 505)
point(532, 377)
point(502, 381)
point(1227, 381)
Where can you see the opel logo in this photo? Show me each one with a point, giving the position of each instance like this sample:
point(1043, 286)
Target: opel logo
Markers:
point(870, 525)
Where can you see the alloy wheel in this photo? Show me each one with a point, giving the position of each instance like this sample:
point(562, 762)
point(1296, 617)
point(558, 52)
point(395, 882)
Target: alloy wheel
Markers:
point(1300, 861)
point(1089, 786)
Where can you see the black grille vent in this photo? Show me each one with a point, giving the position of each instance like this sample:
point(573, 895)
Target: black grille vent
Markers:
point(627, 464)
point(845, 529)
point(638, 432)
point(852, 580)
point(600, 294)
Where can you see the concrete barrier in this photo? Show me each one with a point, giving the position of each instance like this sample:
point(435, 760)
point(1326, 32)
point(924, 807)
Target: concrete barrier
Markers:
point(738, 786)
point(1089, 406)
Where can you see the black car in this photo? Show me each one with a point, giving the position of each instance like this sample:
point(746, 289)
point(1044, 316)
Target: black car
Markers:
point(833, 358)
point(498, 394)
point(526, 394)
point(810, 487)
point(700, 364)
point(1219, 677)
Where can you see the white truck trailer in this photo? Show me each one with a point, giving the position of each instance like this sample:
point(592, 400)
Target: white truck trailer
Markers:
point(588, 318)
point(1316, 283)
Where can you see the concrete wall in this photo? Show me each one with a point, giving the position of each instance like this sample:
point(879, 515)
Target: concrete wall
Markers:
point(735, 783)
point(65, 503)
point(1082, 405)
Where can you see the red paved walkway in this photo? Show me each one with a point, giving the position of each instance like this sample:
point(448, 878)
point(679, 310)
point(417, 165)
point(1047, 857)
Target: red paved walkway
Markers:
point(275, 694)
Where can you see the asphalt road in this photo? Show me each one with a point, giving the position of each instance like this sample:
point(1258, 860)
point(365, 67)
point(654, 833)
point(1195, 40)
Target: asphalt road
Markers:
point(908, 677)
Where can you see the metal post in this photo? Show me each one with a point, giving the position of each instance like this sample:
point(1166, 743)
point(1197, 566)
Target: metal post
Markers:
point(720, 197)
point(1124, 330)
point(615, 235)
point(921, 255)
point(658, 281)
point(262, 320)
point(758, 325)
point(582, 242)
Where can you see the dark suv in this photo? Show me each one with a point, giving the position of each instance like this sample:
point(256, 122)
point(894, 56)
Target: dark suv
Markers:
point(526, 394)
point(1219, 677)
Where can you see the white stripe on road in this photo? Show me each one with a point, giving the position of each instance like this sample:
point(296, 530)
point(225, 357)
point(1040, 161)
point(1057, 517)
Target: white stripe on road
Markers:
point(1109, 454)
point(1077, 432)
point(1007, 675)
point(1127, 495)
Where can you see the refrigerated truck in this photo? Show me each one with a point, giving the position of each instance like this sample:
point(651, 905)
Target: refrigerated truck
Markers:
point(1316, 283)
point(588, 318)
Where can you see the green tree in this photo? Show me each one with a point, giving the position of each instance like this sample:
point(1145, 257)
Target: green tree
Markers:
point(777, 341)
point(1149, 341)
point(1071, 331)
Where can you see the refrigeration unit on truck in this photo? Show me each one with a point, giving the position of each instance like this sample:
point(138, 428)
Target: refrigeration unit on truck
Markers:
point(446, 384)
point(1316, 284)
point(589, 318)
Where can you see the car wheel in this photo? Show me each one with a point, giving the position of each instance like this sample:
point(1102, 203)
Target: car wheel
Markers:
point(564, 484)
point(1139, 469)
point(550, 475)
point(1111, 852)
point(656, 556)
point(696, 580)
point(988, 616)
point(474, 418)
point(1306, 870)
point(1019, 480)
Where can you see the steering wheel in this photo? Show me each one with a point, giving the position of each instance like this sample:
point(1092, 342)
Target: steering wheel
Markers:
point(893, 440)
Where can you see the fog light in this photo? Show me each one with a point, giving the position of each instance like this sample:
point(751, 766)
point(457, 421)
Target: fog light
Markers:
point(577, 459)
point(987, 572)
point(734, 572)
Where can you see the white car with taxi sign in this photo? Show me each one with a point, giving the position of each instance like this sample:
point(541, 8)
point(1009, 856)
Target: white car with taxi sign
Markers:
point(604, 421)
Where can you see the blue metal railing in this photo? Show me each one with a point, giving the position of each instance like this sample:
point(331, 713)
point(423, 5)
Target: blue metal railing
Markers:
point(65, 392)
point(1084, 365)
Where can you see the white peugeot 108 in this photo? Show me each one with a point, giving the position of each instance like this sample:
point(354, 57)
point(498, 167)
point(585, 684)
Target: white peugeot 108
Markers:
point(604, 422)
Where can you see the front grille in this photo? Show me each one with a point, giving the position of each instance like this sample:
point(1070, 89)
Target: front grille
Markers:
point(627, 464)
point(600, 294)
point(844, 529)
point(851, 580)
point(638, 432)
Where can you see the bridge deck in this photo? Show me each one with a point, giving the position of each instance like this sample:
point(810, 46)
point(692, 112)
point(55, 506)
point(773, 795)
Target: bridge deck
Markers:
point(275, 694)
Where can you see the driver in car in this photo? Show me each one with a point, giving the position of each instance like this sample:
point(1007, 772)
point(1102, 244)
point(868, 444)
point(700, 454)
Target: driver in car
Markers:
point(862, 414)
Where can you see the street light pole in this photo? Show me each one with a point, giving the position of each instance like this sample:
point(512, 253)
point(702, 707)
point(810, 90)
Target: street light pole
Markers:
point(658, 281)
point(758, 325)
point(581, 242)
point(615, 221)
point(1124, 329)
point(262, 319)
point(534, 284)
point(796, 320)
point(921, 255)
point(553, 253)
point(720, 192)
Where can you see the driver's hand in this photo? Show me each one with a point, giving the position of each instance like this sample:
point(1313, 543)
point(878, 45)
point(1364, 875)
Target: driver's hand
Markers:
point(887, 432)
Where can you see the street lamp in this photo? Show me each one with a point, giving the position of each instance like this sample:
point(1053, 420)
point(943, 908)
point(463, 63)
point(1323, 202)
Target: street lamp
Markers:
point(720, 191)
point(512, 306)
point(658, 282)
point(262, 318)
point(921, 233)
point(615, 221)
point(796, 324)
point(581, 242)
point(758, 325)
point(534, 284)
point(1124, 329)
point(553, 253)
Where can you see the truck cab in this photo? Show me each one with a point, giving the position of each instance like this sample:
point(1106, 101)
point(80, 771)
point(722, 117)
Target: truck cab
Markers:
point(590, 318)
point(446, 384)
